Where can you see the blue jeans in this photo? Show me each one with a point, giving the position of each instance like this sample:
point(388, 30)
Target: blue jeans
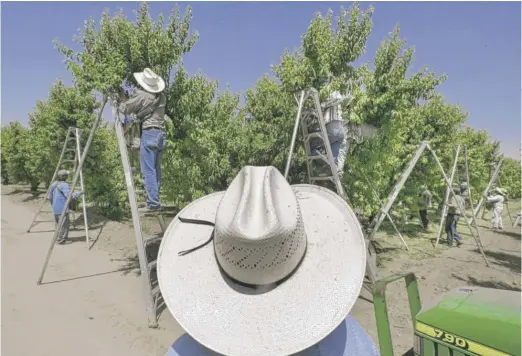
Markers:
point(451, 229)
point(336, 135)
point(153, 141)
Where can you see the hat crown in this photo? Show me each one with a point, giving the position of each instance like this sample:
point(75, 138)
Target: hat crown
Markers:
point(149, 77)
point(259, 233)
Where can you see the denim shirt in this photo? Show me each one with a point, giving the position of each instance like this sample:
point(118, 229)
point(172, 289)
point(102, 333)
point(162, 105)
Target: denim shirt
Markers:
point(349, 339)
point(58, 199)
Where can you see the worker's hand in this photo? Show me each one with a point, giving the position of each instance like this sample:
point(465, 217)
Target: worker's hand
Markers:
point(122, 95)
point(114, 100)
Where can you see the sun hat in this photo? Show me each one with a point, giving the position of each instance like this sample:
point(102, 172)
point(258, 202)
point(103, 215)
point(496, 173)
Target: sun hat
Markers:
point(150, 81)
point(285, 267)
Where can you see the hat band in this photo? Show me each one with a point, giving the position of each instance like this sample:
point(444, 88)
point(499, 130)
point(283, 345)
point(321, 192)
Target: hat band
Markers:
point(209, 223)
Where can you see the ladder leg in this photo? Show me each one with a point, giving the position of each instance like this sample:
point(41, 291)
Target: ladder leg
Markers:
point(140, 243)
point(294, 133)
point(33, 223)
point(460, 207)
point(446, 197)
point(82, 185)
point(69, 197)
point(379, 218)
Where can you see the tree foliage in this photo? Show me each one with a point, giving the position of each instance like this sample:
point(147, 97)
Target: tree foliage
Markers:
point(212, 136)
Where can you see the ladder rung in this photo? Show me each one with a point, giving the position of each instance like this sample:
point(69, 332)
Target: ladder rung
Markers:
point(151, 212)
point(313, 158)
point(314, 135)
point(155, 291)
point(151, 240)
point(322, 178)
point(152, 264)
point(68, 161)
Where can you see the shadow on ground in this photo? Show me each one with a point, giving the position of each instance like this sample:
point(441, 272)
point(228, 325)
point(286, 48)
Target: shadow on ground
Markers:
point(486, 284)
point(507, 260)
point(514, 235)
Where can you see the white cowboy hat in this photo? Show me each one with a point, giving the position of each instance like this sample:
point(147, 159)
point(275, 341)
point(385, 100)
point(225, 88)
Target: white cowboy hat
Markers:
point(150, 81)
point(285, 267)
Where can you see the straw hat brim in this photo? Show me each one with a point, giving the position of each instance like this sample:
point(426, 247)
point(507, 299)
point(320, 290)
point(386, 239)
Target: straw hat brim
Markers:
point(293, 316)
point(151, 89)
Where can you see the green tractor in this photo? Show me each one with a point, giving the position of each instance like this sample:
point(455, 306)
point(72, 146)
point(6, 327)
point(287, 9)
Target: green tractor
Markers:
point(466, 321)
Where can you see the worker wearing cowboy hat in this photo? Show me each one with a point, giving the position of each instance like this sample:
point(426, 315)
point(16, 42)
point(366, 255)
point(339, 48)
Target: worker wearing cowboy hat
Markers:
point(497, 199)
point(58, 193)
point(265, 268)
point(148, 105)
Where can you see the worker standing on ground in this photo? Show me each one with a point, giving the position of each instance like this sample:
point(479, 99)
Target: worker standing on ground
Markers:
point(424, 205)
point(148, 105)
point(58, 193)
point(452, 218)
point(335, 109)
point(497, 199)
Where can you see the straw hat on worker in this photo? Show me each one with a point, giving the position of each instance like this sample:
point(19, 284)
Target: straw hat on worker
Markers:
point(150, 81)
point(263, 268)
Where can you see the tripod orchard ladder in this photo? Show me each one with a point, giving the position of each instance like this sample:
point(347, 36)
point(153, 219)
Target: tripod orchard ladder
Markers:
point(320, 133)
point(151, 290)
point(71, 145)
point(379, 218)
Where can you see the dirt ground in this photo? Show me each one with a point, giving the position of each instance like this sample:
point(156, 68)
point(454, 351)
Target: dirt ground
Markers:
point(90, 301)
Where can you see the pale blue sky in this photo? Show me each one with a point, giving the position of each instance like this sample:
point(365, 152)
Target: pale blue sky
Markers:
point(477, 44)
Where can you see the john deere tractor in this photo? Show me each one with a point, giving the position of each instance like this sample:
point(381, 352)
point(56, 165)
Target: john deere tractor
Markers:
point(466, 321)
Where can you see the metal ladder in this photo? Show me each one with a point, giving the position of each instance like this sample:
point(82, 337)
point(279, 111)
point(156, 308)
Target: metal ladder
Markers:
point(151, 289)
point(147, 267)
point(71, 144)
point(319, 133)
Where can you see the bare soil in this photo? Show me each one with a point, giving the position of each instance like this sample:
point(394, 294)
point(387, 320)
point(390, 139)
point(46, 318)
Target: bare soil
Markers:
point(90, 301)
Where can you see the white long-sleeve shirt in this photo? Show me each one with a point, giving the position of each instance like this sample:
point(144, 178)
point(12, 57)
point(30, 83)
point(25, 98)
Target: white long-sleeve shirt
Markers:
point(497, 200)
point(334, 112)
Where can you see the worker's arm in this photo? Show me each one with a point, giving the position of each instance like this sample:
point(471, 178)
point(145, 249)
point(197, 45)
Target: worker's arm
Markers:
point(335, 99)
point(134, 104)
point(51, 192)
point(493, 199)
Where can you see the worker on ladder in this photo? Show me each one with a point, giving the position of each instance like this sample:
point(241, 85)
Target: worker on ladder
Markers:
point(58, 193)
point(335, 112)
point(147, 106)
point(497, 199)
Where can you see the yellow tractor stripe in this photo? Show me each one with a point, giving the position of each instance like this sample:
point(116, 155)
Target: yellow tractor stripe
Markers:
point(457, 341)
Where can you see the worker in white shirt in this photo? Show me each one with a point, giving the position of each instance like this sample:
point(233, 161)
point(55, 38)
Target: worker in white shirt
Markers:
point(334, 110)
point(497, 199)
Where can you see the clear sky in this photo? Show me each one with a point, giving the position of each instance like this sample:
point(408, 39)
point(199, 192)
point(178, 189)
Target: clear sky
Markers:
point(477, 44)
